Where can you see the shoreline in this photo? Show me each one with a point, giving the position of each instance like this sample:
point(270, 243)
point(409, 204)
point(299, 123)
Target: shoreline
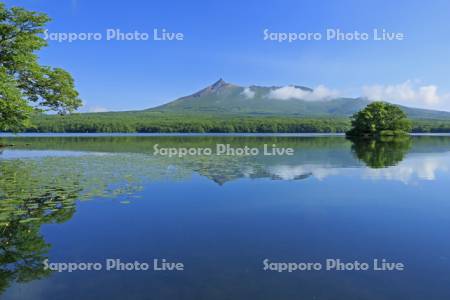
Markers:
point(234, 134)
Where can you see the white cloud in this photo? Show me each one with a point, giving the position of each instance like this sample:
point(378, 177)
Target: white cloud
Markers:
point(407, 93)
point(94, 109)
point(248, 93)
point(288, 92)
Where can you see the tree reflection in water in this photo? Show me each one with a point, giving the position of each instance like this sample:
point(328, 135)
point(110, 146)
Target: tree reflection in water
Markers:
point(381, 152)
point(26, 203)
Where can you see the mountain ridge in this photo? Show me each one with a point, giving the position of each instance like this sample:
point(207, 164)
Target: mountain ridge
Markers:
point(226, 98)
point(228, 108)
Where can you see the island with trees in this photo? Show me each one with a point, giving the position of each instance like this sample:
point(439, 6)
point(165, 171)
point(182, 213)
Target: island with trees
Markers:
point(380, 119)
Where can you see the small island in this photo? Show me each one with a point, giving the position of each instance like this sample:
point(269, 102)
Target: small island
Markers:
point(379, 119)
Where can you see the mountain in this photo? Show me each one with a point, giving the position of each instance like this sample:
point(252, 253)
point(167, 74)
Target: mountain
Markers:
point(226, 98)
point(228, 108)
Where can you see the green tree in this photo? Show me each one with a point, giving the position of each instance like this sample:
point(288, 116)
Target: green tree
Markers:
point(380, 118)
point(25, 85)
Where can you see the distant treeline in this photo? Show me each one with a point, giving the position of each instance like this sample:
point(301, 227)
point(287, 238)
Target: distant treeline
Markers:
point(153, 122)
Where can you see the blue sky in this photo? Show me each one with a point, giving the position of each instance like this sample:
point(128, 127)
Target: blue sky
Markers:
point(224, 39)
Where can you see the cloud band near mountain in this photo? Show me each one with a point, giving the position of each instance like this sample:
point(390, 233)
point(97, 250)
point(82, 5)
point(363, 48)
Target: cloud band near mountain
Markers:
point(289, 92)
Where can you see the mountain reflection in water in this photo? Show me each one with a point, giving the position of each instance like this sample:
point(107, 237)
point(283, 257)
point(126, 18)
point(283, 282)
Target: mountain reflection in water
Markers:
point(41, 179)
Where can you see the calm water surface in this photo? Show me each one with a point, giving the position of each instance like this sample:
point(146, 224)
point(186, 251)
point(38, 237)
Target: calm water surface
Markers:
point(88, 199)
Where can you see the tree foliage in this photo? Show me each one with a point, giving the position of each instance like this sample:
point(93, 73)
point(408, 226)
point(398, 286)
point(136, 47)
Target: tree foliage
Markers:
point(380, 118)
point(149, 122)
point(25, 85)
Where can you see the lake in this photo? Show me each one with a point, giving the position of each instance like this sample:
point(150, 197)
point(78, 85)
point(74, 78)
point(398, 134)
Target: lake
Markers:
point(182, 217)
